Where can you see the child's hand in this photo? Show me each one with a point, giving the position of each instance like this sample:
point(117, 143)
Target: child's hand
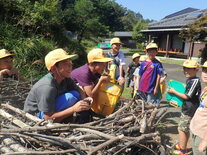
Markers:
point(105, 78)
point(13, 71)
point(202, 146)
point(89, 100)
point(155, 92)
point(121, 80)
point(171, 90)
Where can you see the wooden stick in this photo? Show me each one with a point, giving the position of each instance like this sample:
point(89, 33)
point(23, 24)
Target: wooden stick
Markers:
point(13, 144)
point(83, 137)
point(152, 117)
point(13, 119)
point(43, 152)
point(138, 139)
point(121, 110)
point(105, 144)
point(56, 140)
point(17, 110)
point(101, 134)
point(5, 149)
point(44, 128)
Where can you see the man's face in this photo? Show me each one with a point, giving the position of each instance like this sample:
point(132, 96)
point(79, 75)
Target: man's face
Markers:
point(6, 63)
point(64, 68)
point(116, 47)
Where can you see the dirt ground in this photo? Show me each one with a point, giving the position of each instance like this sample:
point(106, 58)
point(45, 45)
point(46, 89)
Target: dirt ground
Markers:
point(170, 132)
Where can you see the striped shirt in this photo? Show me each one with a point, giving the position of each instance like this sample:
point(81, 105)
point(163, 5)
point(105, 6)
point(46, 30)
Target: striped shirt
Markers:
point(193, 91)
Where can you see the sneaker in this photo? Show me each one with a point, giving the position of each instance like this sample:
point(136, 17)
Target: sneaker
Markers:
point(178, 152)
point(177, 147)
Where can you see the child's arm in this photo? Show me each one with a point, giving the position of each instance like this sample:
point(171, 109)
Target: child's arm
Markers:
point(162, 79)
point(2, 73)
point(181, 95)
point(128, 69)
point(202, 146)
point(121, 77)
point(157, 84)
point(135, 82)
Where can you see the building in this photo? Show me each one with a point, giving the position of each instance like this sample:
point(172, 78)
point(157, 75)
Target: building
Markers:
point(126, 38)
point(166, 33)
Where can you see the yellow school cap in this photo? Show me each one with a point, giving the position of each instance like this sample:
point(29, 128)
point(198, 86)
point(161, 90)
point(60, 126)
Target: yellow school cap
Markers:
point(142, 58)
point(5, 53)
point(135, 55)
point(190, 64)
point(115, 41)
point(57, 55)
point(204, 65)
point(97, 55)
point(151, 45)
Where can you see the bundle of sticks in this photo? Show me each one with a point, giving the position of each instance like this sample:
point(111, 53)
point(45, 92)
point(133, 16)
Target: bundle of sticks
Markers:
point(131, 129)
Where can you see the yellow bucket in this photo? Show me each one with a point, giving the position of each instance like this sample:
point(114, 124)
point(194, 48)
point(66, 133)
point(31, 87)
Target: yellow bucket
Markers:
point(106, 99)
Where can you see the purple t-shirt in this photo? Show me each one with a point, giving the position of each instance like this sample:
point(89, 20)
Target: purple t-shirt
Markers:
point(83, 76)
point(148, 72)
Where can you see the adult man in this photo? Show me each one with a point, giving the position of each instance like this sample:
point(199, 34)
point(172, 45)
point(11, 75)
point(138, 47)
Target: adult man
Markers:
point(56, 89)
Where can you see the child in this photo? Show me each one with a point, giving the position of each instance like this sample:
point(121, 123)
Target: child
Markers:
point(149, 76)
point(136, 73)
point(6, 66)
point(130, 70)
point(43, 98)
point(191, 103)
point(118, 60)
point(89, 77)
point(198, 125)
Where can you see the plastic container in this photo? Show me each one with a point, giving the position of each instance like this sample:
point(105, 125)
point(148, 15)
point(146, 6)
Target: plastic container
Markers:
point(179, 87)
point(105, 101)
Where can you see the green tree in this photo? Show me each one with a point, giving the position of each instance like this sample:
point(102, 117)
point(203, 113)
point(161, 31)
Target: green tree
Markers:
point(139, 37)
point(197, 32)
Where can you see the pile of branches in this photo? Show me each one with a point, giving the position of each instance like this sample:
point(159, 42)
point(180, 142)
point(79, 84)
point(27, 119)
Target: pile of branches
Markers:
point(131, 129)
point(14, 91)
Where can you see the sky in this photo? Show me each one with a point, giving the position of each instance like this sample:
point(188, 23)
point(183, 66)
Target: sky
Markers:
point(158, 9)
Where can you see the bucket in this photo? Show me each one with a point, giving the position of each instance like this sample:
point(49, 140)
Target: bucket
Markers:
point(106, 99)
